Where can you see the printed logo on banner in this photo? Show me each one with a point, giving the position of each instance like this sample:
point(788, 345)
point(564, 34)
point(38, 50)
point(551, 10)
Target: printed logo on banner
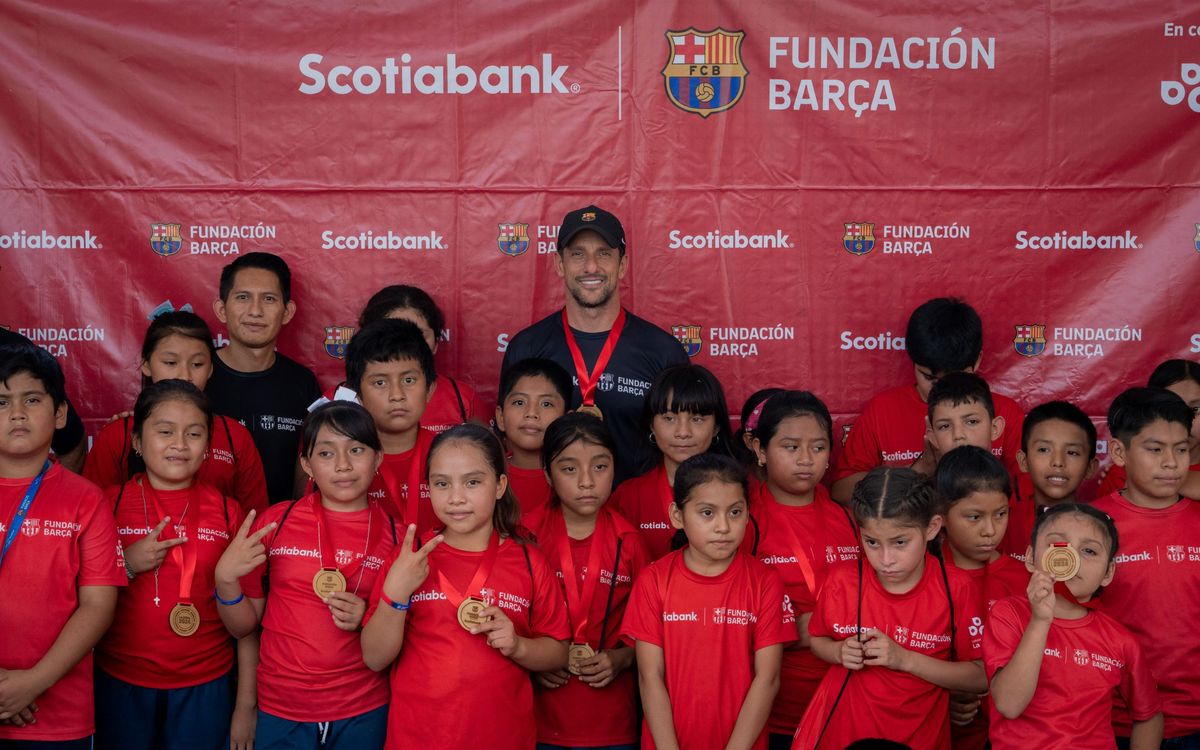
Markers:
point(859, 238)
point(1188, 87)
point(513, 239)
point(1030, 340)
point(166, 239)
point(336, 339)
point(704, 71)
point(689, 338)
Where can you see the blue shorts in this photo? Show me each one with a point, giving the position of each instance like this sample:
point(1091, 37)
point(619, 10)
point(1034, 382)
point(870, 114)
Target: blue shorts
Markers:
point(130, 717)
point(363, 732)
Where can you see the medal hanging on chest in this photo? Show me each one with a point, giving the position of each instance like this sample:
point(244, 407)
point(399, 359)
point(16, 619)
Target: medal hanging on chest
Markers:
point(330, 578)
point(589, 380)
point(470, 605)
point(184, 618)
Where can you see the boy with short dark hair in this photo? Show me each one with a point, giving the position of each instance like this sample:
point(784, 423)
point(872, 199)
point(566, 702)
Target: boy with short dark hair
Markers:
point(961, 412)
point(1156, 593)
point(944, 335)
point(533, 393)
point(60, 564)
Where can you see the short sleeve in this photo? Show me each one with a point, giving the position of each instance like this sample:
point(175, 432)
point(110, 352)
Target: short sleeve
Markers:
point(100, 559)
point(643, 614)
point(861, 451)
point(549, 609)
point(776, 621)
point(1138, 687)
point(829, 604)
point(1001, 635)
point(104, 465)
point(249, 479)
point(968, 629)
point(252, 582)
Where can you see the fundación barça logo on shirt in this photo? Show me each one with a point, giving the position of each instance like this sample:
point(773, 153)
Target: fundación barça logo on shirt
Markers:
point(859, 238)
point(704, 73)
point(513, 239)
point(1030, 340)
point(336, 339)
point(166, 239)
point(689, 337)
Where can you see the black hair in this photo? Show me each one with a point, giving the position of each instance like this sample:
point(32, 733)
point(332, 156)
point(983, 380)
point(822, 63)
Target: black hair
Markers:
point(1100, 518)
point(738, 444)
point(39, 364)
point(790, 404)
point(400, 296)
point(944, 335)
point(178, 323)
point(1063, 411)
point(506, 518)
point(966, 470)
point(701, 469)
point(1136, 408)
point(262, 261)
point(346, 418)
point(958, 388)
point(536, 367)
point(156, 394)
point(1174, 371)
point(898, 494)
point(692, 389)
point(387, 340)
point(571, 428)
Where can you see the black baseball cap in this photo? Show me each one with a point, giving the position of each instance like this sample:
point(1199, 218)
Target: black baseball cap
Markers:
point(596, 219)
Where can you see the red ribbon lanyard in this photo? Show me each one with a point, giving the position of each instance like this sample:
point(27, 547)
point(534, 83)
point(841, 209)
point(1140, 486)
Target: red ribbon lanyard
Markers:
point(184, 554)
point(325, 537)
point(580, 602)
point(589, 381)
point(481, 575)
point(766, 498)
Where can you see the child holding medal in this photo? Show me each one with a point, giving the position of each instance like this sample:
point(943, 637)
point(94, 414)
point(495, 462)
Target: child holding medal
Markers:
point(164, 670)
point(465, 618)
point(598, 554)
point(325, 550)
point(1055, 664)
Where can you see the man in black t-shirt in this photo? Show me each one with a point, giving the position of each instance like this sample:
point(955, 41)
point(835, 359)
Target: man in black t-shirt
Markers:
point(612, 354)
point(251, 382)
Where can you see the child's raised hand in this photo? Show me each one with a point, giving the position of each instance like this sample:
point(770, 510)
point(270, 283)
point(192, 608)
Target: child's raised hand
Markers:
point(410, 569)
point(347, 609)
point(852, 653)
point(881, 651)
point(551, 680)
point(148, 552)
point(1041, 595)
point(500, 632)
point(244, 554)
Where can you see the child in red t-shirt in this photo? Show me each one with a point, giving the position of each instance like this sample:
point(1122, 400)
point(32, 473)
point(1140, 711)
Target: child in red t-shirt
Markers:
point(1055, 665)
point(972, 490)
point(164, 670)
point(687, 416)
point(60, 564)
point(598, 555)
point(179, 345)
point(709, 623)
point(533, 393)
point(960, 412)
point(325, 551)
point(466, 617)
point(902, 631)
point(803, 533)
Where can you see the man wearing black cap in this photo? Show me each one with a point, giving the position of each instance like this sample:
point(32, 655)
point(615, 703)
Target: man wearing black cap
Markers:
point(613, 354)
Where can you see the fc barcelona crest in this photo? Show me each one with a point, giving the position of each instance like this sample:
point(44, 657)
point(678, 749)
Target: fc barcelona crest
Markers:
point(859, 238)
point(689, 338)
point(704, 71)
point(513, 239)
point(165, 239)
point(1030, 340)
point(336, 339)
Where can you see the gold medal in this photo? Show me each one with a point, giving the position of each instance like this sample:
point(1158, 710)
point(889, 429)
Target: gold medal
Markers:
point(185, 619)
point(591, 409)
point(578, 653)
point(1061, 561)
point(469, 613)
point(327, 581)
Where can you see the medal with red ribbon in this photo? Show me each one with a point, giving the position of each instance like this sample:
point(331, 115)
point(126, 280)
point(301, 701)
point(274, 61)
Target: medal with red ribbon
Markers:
point(580, 593)
point(331, 577)
point(589, 380)
point(471, 604)
point(184, 617)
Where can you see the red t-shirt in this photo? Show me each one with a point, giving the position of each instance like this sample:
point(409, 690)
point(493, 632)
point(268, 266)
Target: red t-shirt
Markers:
point(140, 647)
point(646, 502)
point(563, 713)
point(232, 464)
point(530, 488)
point(826, 533)
point(1022, 512)
point(390, 487)
point(450, 688)
point(1156, 594)
point(442, 410)
point(68, 540)
point(1086, 661)
point(1114, 480)
point(309, 669)
point(881, 702)
point(891, 432)
point(709, 629)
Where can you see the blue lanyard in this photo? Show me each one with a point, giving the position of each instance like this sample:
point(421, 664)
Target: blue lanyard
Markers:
point(19, 518)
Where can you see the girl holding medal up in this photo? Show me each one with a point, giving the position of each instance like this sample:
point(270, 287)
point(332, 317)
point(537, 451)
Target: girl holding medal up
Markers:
point(164, 676)
point(325, 551)
point(585, 541)
point(466, 617)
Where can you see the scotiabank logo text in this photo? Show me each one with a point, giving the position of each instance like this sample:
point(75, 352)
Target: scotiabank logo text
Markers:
point(448, 78)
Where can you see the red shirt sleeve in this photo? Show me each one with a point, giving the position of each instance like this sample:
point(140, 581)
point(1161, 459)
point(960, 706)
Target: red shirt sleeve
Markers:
point(249, 481)
point(377, 589)
point(1138, 687)
point(861, 451)
point(829, 601)
point(643, 614)
point(252, 583)
point(549, 608)
point(969, 613)
point(106, 461)
point(100, 559)
point(1001, 636)
point(776, 621)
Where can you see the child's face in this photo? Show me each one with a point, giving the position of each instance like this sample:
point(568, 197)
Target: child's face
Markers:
point(976, 524)
point(1189, 391)
point(463, 488)
point(527, 411)
point(255, 311)
point(28, 417)
point(896, 550)
point(1156, 461)
point(681, 434)
point(342, 467)
point(714, 519)
point(965, 424)
point(181, 358)
point(415, 317)
point(797, 456)
point(582, 476)
point(173, 441)
point(395, 393)
point(1089, 540)
point(1057, 460)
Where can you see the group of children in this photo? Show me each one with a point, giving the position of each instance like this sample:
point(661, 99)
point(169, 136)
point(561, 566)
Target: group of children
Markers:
point(488, 586)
